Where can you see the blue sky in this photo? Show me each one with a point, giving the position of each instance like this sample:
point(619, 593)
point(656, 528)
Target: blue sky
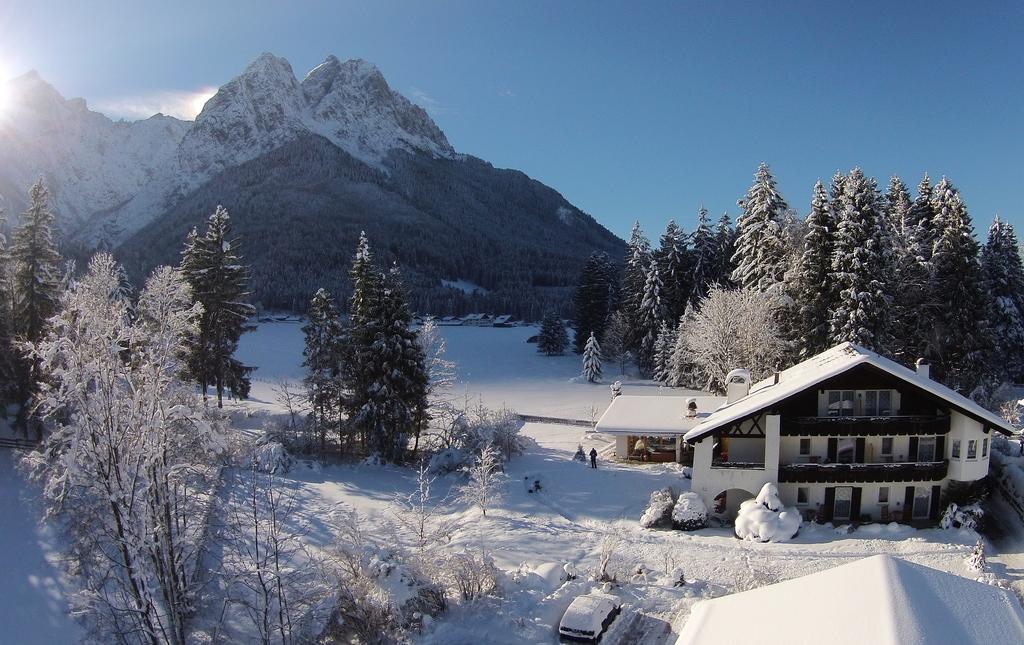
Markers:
point(631, 110)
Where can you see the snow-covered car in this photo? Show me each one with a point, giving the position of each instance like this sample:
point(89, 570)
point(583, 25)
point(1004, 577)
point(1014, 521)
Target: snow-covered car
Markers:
point(587, 618)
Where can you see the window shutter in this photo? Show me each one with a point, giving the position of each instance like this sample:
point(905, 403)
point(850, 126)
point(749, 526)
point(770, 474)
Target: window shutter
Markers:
point(860, 451)
point(830, 501)
point(912, 453)
point(936, 494)
point(940, 448)
point(908, 505)
point(855, 504)
point(833, 450)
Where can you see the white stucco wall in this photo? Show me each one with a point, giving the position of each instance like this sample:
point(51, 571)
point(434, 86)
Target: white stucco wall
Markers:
point(708, 482)
point(963, 429)
point(869, 504)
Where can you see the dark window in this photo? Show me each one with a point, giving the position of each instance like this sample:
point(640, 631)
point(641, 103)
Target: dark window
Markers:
point(802, 495)
point(805, 446)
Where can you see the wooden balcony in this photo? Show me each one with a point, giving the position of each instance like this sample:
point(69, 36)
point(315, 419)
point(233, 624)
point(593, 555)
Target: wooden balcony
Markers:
point(863, 426)
point(862, 473)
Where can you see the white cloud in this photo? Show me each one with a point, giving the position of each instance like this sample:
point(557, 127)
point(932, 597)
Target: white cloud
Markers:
point(428, 102)
point(183, 104)
point(506, 92)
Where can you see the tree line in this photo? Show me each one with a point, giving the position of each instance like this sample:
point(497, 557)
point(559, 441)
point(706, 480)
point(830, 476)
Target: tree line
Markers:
point(897, 273)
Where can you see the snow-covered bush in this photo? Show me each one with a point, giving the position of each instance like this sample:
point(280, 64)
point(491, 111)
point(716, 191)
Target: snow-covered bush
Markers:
point(270, 457)
point(470, 574)
point(464, 432)
point(658, 514)
point(448, 460)
point(689, 513)
point(961, 517)
point(976, 559)
point(363, 613)
point(765, 519)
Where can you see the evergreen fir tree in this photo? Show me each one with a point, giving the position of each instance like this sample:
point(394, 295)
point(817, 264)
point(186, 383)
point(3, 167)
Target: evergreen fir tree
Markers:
point(859, 267)
point(214, 269)
point(634, 279)
point(815, 295)
point(35, 290)
point(323, 352)
point(592, 300)
point(553, 339)
point(914, 311)
point(725, 244)
point(36, 278)
point(897, 205)
point(592, 360)
point(663, 348)
point(613, 342)
point(673, 268)
point(7, 351)
point(394, 368)
point(650, 318)
point(761, 256)
point(962, 338)
point(1003, 274)
point(705, 251)
point(682, 371)
point(363, 307)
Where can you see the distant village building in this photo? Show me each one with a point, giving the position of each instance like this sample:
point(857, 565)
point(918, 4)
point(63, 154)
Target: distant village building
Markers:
point(846, 435)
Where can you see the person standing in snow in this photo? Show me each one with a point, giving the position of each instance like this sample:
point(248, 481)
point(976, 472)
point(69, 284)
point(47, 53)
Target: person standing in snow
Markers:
point(593, 457)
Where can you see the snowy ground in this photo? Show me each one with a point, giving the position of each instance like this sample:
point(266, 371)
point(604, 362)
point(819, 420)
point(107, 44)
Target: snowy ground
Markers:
point(564, 522)
point(33, 608)
point(494, 364)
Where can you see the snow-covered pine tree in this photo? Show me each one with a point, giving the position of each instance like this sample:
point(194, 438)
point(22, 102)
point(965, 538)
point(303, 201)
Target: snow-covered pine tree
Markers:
point(213, 268)
point(861, 267)
point(682, 371)
point(553, 338)
point(897, 205)
point(674, 268)
point(663, 348)
point(704, 260)
point(761, 256)
point(36, 278)
point(815, 294)
point(1003, 274)
point(649, 320)
point(7, 351)
point(963, 340)
point(592, 360)
point(592, 301)
point(914, 310)
point(323, 352)
point(393, 366)
point(634, 279)
point(725, 245)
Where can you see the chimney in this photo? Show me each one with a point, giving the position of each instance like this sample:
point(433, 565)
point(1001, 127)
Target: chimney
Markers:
point(691, 408)
point(923, 368)
point(737, 385)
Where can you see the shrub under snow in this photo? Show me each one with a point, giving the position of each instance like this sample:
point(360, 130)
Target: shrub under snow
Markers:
point(689, 513)
point(658, 514)
point(765, 519)
point(271, 457)
point(961, 517)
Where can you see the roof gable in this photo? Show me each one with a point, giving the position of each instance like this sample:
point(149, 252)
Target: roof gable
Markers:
point(824, 366)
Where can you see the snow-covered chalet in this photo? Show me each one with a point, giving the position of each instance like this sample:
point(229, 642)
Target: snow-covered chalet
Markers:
point(847, 435)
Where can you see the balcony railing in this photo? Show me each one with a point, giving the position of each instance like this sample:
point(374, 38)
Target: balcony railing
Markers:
point(738, 465)
point(860, 426)
point(842, 473)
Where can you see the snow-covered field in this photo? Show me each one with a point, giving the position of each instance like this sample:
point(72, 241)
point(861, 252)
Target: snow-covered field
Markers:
point(575, 509)
point(495, 364)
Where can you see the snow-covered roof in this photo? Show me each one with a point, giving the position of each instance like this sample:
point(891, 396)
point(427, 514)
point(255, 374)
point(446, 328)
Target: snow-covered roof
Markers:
point(824, 366)
point(880, 600)
point(655, 415)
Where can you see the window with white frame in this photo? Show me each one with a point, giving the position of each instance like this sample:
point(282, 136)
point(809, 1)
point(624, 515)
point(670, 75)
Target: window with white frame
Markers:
point(956, 449)
point(878, 403)
point(846, 450)
point(972, 448)
point(883, 494)
point(805, 447)
point(886, 453)
point(841, 403)
point(926, 449)
point(984, 447)
point(803, 496)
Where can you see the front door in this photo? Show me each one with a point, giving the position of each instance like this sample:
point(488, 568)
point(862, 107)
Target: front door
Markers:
point(922, 502)
point(843, 506)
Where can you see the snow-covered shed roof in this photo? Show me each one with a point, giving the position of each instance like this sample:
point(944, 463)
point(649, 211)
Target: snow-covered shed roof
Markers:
point(824, 366)
point(655, 415)
point(880, 600)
